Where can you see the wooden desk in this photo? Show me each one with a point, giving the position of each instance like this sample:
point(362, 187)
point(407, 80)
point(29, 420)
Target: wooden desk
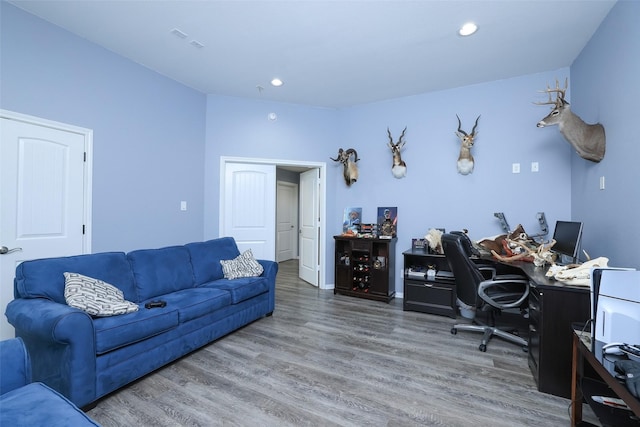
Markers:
point(553, 308)
point(580, 354)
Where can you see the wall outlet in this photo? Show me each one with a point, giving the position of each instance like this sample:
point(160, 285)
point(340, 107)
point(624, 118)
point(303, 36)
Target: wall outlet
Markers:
point(534, 167)
point(515, 168)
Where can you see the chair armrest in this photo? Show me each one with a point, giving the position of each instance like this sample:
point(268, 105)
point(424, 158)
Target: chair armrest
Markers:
point(521, 296)
point(487, 271)
point(61, 342)
point(15, 365)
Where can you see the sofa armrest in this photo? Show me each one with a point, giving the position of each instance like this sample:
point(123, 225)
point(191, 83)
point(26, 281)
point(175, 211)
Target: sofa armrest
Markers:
point(61, 342)
point(15, 365)
point(270, 272)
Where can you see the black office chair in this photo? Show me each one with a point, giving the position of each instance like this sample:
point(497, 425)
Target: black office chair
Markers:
point(487, 292)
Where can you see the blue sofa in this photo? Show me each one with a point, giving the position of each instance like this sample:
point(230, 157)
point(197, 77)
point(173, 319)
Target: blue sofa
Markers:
point(29, 404)
point(85, 357)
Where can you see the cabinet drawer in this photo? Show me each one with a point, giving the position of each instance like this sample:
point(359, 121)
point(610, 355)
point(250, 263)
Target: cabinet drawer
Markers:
point(430, 297)
point(361, 245)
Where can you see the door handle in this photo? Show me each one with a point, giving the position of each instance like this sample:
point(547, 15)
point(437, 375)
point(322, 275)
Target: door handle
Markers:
point(5, 250)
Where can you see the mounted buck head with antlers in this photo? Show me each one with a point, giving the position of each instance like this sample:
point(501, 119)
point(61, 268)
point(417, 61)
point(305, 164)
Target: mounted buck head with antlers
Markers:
point(465, 159)
point(588, 140)
point(350, 169)
point(399, 167)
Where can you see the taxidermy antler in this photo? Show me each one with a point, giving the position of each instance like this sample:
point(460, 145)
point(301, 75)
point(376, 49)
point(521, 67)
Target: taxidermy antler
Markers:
point(465, 159)
point(540, 255)
point(350, 170)
point(588, 140)
point(399, 167)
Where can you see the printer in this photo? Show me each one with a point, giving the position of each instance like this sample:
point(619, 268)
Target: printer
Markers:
point(616, 302)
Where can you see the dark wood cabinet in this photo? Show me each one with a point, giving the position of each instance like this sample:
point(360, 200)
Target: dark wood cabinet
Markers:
point(429, 286)
point(365, 268)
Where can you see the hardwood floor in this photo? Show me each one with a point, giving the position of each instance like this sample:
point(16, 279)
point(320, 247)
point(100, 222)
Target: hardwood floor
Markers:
point(325, 360)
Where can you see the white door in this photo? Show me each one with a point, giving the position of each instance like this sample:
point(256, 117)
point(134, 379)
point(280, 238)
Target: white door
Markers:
point(286, 221)
point(309, 265)
point(249, 211)
point(44, 205)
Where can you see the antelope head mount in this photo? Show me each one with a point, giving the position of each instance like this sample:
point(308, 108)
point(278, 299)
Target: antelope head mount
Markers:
point(588, 140)
point(350, 169)
point(465, 159)
point(399, 167)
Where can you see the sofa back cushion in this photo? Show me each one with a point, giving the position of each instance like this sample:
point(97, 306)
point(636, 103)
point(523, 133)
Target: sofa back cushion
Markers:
point(161, 271)
point(206, 256)
point(44, 278)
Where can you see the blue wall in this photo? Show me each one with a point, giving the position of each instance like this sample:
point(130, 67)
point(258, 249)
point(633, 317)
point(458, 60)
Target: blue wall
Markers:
point(149, 131)
point(151, 135)
point(605, 87)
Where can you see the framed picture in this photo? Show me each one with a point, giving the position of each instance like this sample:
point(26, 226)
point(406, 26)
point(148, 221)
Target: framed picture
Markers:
point(351, 221)
point(387, 222)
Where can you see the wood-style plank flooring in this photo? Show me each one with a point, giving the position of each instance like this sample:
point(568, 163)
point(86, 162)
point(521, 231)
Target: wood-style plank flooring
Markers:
point(332, 360)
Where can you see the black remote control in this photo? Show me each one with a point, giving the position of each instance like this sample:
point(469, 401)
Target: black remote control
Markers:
point(155, 304)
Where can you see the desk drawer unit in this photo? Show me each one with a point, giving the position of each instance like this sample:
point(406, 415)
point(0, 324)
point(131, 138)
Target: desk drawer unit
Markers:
point(552, 311)
point(433, 297)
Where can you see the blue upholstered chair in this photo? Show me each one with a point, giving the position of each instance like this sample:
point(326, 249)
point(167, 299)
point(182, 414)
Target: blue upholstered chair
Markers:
point(24, 403)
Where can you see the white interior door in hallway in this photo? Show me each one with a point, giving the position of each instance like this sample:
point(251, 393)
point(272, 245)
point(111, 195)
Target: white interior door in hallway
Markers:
point(286, 221)
point(45, 178)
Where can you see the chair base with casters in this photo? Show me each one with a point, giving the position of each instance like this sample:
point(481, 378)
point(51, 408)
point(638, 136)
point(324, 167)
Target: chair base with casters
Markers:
point(490, 331)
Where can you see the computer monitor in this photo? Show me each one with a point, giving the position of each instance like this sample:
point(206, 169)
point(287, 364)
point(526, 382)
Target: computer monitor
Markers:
point(567, 235)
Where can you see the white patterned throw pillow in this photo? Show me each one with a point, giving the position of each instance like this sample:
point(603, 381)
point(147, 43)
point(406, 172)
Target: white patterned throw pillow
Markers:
point(244, 265)
point(94, 296)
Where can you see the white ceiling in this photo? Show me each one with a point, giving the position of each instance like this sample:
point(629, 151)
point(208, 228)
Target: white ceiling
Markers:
point(333, 53)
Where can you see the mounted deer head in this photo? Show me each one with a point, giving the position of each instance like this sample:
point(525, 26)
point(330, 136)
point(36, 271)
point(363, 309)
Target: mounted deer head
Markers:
point(350, 169)
point(588, 140)
point(465, 159)
point(398, 168)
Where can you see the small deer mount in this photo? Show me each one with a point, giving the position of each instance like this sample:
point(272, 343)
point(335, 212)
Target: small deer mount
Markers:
point(350, 169)
point(399, 167)
point(588, 140)
point(465, 159)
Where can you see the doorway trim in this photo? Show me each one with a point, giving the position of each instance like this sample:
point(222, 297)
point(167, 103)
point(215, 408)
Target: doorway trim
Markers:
point(322, 196)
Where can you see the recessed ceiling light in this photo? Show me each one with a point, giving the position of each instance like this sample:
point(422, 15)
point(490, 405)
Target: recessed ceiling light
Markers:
point(468, 29)
point(277, 82)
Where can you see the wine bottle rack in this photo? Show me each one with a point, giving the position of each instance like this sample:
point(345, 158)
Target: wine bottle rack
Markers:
point(364, 267)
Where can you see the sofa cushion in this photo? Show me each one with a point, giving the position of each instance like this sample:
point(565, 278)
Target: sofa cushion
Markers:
point(197, 302)
point(206, 256)
point(161, 271)
point(241, 289)
point(94, 296)
point(119, 331)
point(244, 265)
point(38, 405)
point(44, 278)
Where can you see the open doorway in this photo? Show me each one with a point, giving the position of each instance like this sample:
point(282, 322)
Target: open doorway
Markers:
point(310, 223)
point(298, 220)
